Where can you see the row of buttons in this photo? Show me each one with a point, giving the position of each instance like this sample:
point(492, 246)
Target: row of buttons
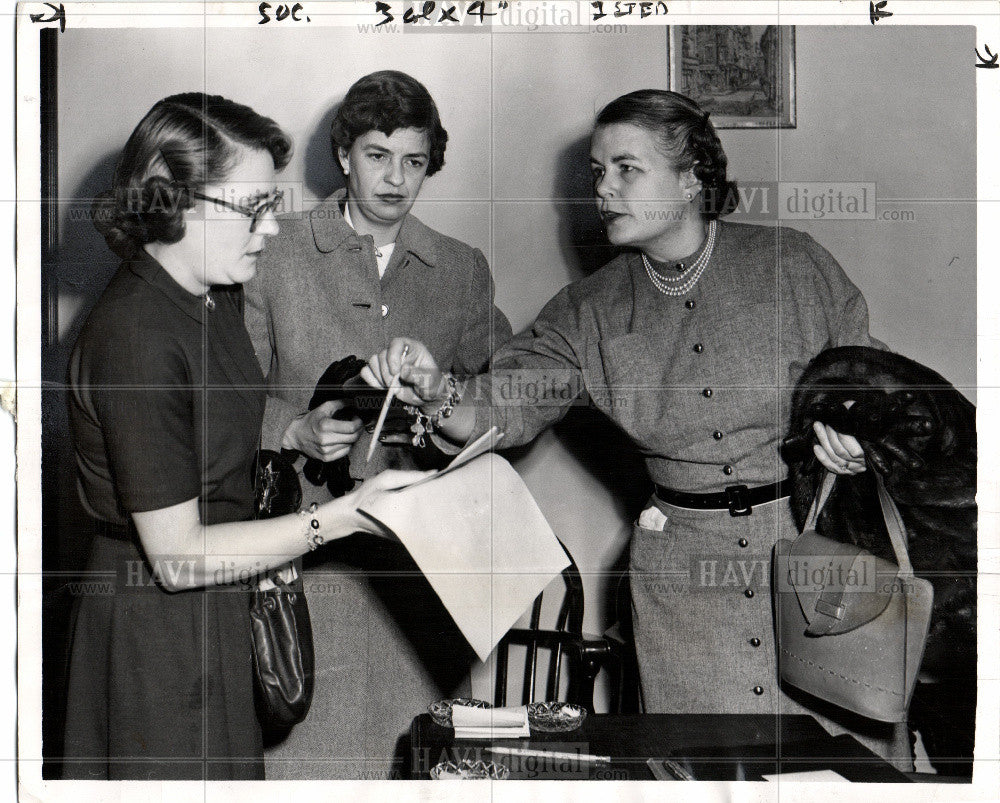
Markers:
point(754, 642)
point(717, 434)
point(699, 348)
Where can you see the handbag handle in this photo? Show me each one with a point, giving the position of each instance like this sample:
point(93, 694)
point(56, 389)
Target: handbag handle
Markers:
point(890, 513)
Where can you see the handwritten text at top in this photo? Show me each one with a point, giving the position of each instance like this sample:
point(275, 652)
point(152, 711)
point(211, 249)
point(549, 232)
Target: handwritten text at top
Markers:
point(447, 12)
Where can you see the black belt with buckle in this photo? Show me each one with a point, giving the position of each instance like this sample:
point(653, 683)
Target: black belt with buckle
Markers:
point(737, 499)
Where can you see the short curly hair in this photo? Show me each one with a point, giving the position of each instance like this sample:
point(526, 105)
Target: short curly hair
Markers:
point(685, 135)
point(384, 101)
point(183, 143)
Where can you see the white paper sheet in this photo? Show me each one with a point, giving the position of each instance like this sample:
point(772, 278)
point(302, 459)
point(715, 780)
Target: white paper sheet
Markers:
point(480, 445)
point(811, 775)
point(478, 536)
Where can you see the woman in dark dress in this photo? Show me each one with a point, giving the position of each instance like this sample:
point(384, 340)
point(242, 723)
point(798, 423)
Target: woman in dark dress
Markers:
point(166, 404)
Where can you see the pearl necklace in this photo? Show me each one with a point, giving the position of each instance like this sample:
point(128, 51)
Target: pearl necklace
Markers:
point(680, 285)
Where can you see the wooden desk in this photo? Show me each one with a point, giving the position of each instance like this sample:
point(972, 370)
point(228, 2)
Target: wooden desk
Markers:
point(712, 746)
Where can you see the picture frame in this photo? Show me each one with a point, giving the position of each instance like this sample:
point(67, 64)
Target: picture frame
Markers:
point(743, 75)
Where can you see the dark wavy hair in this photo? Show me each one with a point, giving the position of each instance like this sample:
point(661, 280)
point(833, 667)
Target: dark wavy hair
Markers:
point(685, 135)
point(384, 101)
point(183, 143)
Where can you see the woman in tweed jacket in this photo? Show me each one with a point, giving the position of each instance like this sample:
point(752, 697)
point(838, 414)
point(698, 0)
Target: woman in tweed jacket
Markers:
point(691, 341)
point(345, 279)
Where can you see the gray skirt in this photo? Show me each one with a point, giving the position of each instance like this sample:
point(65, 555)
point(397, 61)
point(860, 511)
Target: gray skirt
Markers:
point(704, 624)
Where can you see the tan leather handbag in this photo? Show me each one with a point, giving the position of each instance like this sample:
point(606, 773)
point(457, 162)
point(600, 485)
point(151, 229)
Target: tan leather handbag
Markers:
point(850, 626)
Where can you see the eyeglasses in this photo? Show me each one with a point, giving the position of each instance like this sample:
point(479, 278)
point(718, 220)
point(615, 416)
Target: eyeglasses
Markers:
point(255, 213)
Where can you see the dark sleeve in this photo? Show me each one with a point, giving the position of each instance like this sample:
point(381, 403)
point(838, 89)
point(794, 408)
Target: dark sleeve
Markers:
point(486, 327)
point(145, 403)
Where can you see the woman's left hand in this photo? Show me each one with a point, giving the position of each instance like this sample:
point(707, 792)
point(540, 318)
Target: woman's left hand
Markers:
point(841, 454)
point(389, 480)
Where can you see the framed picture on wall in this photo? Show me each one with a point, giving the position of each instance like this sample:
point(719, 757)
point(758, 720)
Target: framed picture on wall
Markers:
point(744, 75)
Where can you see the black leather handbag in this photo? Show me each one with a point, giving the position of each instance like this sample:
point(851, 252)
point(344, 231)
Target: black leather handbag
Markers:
point(282, 655)
point(283, 662)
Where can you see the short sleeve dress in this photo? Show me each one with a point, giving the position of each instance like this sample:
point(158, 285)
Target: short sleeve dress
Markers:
point(166, 403)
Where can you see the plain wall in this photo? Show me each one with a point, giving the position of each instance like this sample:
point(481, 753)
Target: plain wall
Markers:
point(893, 106)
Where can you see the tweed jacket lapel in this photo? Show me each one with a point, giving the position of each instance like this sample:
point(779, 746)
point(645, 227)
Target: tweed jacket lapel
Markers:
point(330, 231)
point(329, 228)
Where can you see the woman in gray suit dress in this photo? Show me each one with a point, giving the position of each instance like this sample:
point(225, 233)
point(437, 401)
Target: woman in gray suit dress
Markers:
point(691, 341)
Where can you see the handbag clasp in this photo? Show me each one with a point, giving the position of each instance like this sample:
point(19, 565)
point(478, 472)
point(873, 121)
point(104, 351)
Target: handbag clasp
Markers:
point(829, 609)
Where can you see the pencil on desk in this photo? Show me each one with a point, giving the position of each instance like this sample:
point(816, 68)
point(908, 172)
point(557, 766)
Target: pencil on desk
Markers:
point(555, 754)
point(679, 772)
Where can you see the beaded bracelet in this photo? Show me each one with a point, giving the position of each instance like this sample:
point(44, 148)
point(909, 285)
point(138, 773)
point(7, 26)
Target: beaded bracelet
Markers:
point(426, 424)
point(312, 531)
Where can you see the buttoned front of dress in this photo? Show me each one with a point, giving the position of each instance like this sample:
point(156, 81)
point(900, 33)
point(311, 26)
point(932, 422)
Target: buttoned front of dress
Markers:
point(694, 621)
point(674, 372)
point(702, 384)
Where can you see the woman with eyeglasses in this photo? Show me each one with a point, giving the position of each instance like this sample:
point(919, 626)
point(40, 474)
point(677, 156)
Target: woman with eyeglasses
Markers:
point(166, 401)
point(691, 341)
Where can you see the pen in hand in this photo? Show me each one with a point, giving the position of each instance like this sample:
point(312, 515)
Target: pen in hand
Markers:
point(390, 394)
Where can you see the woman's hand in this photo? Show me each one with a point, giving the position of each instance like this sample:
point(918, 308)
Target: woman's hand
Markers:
point(370, 489)
point(318, 435)
point(422, 383)
point(841, 454)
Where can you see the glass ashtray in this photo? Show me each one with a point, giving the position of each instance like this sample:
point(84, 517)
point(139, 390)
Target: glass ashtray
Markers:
point(441, 710)
point(555, 717)
point(469, 770)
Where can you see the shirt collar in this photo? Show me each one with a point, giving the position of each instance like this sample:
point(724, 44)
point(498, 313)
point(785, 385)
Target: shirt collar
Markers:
point(347, 216)
point(330, 230)
point(152, 272)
